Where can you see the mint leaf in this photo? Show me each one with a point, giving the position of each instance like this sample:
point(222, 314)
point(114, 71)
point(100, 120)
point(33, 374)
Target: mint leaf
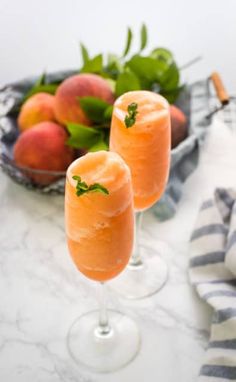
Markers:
point(130, 118)
point(84, 53)
point(93, 65)
point(94, 108)
point(83, 188)
point(144, 37)
point(96, 187)
point(127, 81)
point(76, 177)
point(129, 121)
point(128, 42)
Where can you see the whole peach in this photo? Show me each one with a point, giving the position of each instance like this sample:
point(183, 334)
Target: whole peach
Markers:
point(43, 147)
point(178, 126)
point(37, 108)
point(67, 106)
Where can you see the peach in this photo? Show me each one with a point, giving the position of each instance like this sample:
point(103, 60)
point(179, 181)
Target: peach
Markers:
point(37, 108)
point(179, 128)
point(43, 147)
point(67, 107)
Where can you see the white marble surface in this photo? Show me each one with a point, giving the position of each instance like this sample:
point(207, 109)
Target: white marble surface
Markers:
point(41, 292)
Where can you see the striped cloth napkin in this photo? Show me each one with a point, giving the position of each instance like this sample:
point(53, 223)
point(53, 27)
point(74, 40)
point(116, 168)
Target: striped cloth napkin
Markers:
point(213, 273)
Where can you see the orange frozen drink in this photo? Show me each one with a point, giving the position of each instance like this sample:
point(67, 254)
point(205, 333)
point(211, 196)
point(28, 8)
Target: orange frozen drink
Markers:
point(144, 143)
point(99, 222)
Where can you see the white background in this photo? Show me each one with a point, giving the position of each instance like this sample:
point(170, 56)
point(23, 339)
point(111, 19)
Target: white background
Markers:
point(44, 34)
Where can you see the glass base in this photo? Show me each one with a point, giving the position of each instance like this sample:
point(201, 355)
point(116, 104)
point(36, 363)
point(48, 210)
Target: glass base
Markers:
point(139, 281)
point(103, 352)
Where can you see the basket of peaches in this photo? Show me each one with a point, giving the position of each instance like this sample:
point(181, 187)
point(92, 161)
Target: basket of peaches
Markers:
point(46, 123)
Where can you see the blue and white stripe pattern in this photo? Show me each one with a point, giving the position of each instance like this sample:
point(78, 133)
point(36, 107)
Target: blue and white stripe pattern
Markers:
point(213, 272)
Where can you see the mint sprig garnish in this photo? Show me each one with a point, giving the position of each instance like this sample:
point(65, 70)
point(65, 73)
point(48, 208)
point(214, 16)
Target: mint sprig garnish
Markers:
point(130, 118)
point(83, 187)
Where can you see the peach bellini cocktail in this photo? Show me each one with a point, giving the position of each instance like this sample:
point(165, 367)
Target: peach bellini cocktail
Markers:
point(99, 229)
point(140, 133)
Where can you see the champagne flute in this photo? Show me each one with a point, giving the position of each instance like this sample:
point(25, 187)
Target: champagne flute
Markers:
point(99, 228)
point(140, 133)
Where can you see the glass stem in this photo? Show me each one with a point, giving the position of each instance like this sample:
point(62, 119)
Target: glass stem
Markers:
point(136, 260)
point(103, 328)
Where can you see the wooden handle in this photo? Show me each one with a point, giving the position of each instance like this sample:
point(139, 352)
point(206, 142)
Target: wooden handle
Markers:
point(219, 88)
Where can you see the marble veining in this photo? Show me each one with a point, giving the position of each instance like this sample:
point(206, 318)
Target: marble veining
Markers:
point(41, 292)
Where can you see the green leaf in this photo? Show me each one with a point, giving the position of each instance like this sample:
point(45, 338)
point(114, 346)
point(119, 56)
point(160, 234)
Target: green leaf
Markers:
point(130, 118)
point(113, 67)
point(168, 83)
point(41, 80)
point(98, 188)
point(144, 37)
point(94, 108)
point(84, 53)
point(156, 75)
point(128, 42)
point(93, 65)
point(111, 58)
point(172, 95)
point(47, 88)
point(38, 85)
point(83, 137)
point(83, 187)
point(100, 145)
point(162, 54)
point(108, 113)
point(127, 81)
point(111, 83)
point(77, 177)
point(147, 69)
point(171, 77)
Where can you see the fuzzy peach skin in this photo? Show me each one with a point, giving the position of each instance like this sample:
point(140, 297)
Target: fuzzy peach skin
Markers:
point(38, 108)
point(43, 148)
point(67, 107)
point(178, 126)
